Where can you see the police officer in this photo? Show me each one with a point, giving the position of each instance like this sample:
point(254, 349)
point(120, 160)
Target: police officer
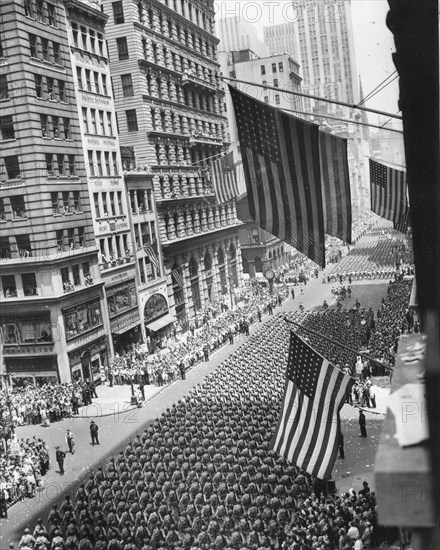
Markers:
point(60, 456)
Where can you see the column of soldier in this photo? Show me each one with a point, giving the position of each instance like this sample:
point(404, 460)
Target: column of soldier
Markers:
point(202, 476)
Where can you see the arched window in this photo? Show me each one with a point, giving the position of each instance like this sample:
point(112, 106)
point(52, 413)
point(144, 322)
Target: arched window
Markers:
point(232, 252)
point(156, 306)
point(258, 265)
point(220, 257)
point(207, 260)
point(193, 269)
point(270, 255)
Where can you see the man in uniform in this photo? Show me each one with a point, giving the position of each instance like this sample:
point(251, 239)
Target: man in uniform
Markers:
point(60, 456)
point(362, 424)
point(94, 433)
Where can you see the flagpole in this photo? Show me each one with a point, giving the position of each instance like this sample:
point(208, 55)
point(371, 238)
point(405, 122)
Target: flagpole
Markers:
point(334, 101)
point(385, 366)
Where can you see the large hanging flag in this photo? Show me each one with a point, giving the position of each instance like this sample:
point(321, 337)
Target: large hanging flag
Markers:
point(307, 434)
point(335, 186)
point(224, 178)
point(151, 250)
point(282, 172)
point(389, 197)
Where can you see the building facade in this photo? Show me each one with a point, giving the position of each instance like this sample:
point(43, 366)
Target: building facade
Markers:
point(324, 43)
point(281, 39)
point(105, 173)
point(169, 103)
point(53, 310)
point(236, 34)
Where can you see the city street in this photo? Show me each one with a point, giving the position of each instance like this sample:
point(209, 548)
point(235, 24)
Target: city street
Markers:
point(119, 422)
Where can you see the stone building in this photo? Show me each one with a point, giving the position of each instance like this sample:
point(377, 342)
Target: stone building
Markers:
point(53, 312)
point(169, 103)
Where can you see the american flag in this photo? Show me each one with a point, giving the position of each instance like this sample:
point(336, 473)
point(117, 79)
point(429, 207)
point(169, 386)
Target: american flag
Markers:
point(177, 276)
point(335, 186)
point(151, 250)
point(308, 429)
point(224, 178)
point(282, 172)
point(389, 194)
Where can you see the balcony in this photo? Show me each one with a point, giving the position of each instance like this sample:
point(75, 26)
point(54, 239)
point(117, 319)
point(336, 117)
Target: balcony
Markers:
point(189, 77)
point(166, 134)
point(205, 138)
point(113, 263)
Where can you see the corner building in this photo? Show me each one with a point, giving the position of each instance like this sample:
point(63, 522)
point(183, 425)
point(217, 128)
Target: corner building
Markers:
point(54, 324)
point(169, 103)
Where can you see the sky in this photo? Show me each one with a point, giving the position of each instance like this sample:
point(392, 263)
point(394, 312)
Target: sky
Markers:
point(374, 43)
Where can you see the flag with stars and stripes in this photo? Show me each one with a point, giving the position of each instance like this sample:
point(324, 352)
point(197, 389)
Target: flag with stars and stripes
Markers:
point(389, 197)
point(307, 433)
point(282, 173)
point(151, 250)
point(224, 178)
point(335, 186)
point(177, 276)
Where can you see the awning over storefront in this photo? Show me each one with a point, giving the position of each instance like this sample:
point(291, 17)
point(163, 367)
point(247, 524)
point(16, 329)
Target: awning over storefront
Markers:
point(162, 322)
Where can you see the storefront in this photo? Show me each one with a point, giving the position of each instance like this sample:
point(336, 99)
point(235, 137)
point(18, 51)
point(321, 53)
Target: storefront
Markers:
point(23, 371)
point(159, 323)
point(86, 361)
point(126, 330)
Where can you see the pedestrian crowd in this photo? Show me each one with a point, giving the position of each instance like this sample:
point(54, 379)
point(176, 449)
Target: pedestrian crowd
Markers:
point(22, 465)
point(44, 404)
point(203, 477)
point(219, 325)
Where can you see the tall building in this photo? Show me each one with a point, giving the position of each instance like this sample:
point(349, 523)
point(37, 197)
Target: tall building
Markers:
point(281, 39)
point(324, 35)
point(237, 34)
point(169, 102)
point(53, 313)
point(105, 176)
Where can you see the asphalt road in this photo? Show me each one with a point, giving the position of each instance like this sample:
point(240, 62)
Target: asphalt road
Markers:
point(119, 427)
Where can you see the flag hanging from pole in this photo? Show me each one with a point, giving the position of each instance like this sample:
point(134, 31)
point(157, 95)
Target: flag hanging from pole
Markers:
point(307, 433)
point(389, 197)
point(151, 250)
point(177, 276)
point(336, 193)
point(224, 178)
point(282, 173)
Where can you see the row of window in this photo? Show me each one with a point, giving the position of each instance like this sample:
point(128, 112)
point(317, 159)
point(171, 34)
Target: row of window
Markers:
point(28, 331)
point(197, 127)
point(88, 39)
point(60, 164)
point(70, 238)
point(41, 11)
point(115, 250)
point(147, 270)
point(66, 202)
point(108, 203)
point(144, 233)
point(92, 81)
point(47, 87)
point(103, 163)
point(76, 275)
point(274, 67)
point(47, 50)
point(82, 318)
point(55, 127)
point(141, 200)
point(97, 122)
point(146, 17)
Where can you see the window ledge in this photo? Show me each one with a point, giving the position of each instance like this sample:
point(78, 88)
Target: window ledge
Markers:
point(8, 140)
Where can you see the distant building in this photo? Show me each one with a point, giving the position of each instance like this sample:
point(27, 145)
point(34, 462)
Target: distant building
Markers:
point(281, 39)
point(237, 34)
point(325, 46)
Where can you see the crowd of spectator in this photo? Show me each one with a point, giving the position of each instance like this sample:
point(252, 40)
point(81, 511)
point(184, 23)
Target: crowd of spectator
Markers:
point(44, 404)
point(202, 476)
point(218, 325)
point(22, 465)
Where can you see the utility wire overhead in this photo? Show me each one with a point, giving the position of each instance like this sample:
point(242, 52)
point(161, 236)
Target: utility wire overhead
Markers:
point(373, 92)
point(316, 98)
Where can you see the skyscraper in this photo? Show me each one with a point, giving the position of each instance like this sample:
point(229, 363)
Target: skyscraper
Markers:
point(237, 34)
point(324, 36)
point(281, 39)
